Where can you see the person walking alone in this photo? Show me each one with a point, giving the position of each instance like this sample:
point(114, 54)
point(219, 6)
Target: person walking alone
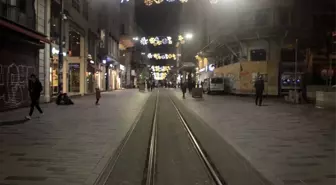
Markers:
point(35, 89)
point(259, 86)
point(184, 88)
point(98, 95)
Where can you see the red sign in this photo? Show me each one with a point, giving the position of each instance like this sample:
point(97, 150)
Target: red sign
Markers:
point(334, 33)
point(327, 73)
point(330, 72)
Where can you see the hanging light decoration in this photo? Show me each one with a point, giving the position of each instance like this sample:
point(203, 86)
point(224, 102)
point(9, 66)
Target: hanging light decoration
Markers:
point(158, 1)
point(151, 2)
point(143, 41)
point(213, 1)
point(156, 41)
point(158, 56)
point(148, 2)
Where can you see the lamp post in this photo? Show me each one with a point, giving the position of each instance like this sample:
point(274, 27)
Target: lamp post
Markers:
point(60, 54)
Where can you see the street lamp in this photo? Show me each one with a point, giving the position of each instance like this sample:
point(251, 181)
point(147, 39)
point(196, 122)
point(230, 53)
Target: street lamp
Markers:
point(135, 38)
point(188, 36)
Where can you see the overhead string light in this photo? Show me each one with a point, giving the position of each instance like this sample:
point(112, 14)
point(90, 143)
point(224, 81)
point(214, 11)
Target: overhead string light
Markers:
point(213, 1)
point(156, 41)
point(151, 2)
point(159, 56)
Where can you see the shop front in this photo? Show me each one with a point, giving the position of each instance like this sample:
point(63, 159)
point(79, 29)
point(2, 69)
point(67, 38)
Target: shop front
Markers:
point(112, 77)
point(54, 69)
point(122, 77)
point(90, 75)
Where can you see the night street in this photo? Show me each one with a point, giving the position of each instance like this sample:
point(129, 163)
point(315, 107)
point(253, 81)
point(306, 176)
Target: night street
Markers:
point(69, 144)
point(167, 92)
point(274, 144)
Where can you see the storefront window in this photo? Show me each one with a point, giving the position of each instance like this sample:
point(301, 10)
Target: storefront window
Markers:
point(90, 78)
point(74, 77)
point(54, 76)
point(74, 43)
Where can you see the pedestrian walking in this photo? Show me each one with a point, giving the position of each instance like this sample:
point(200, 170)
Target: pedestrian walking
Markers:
point(259, 86)
point(148, 85)
point(98, 95)
point(184, 88)
point(152, 86)
point(35, 89)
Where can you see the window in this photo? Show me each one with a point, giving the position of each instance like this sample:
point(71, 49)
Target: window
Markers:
point(110, 46)
point(262, 17)
point(258, 55)
point(74, 43)
point(86, 9)
point(284, 16)
point(76, 5)
point(22, 5)
point(217, 80)
point(122, 29)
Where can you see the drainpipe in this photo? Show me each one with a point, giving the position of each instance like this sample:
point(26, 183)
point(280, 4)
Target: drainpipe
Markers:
point(47, 93)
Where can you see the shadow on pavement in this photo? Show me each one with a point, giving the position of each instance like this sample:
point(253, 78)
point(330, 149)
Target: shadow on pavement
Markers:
point(13, 122)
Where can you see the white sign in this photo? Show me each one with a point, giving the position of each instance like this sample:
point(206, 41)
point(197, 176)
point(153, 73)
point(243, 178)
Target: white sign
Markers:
point(122, 67)
point(201, 70)
point(55, 51)
point(211, 67)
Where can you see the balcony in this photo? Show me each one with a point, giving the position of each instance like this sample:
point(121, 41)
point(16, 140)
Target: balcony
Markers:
point(17, 15)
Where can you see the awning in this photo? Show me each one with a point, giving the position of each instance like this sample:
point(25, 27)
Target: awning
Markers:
point(187, 65)
point(28, 32)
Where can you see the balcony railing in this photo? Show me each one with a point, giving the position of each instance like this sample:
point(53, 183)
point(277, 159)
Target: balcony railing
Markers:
point(14, 14)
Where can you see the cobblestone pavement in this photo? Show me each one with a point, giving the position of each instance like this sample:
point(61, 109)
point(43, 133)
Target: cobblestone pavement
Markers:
point(69, 145)
point(288, 144)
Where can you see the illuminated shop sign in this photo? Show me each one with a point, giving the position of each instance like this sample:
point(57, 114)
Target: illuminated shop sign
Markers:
point(55, 51)
point(211, 67)
point(122, 67)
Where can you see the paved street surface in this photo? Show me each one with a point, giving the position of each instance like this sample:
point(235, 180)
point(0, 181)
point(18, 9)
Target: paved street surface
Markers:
point(69, 145)
point(177, 160)
point(288, 144)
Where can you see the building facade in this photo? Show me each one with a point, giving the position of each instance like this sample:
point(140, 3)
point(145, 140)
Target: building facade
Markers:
point(126, 45)
point(274, 39)
point(90, 47)
point(24, 24)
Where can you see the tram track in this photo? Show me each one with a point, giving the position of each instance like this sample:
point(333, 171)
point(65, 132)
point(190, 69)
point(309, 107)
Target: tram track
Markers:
point(173, 153)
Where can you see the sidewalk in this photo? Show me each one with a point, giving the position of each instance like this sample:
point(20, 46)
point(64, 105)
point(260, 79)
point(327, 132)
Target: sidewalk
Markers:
point(69, 145)
point(288, 144)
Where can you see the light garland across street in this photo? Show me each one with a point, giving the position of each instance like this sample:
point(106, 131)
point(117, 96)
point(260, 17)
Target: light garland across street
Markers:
point(151, 2)
point(156, 41)
point(161, 56)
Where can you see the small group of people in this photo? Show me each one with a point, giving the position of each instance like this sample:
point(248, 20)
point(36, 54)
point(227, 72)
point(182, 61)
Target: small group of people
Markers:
point(150, 85)
point(35, 88)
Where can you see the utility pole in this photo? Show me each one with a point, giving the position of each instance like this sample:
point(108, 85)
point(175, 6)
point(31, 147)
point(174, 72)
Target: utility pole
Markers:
point(60, 54)
point(296, 63)
point(330, 57)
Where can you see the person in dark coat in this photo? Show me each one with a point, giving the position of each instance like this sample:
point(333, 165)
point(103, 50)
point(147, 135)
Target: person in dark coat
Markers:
point(184, 88)
point(35, 89)
point(98, 95)
point(148, 85)
point(259, 86)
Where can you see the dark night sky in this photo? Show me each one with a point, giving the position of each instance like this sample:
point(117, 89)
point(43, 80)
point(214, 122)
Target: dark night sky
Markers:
point(158, 20)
